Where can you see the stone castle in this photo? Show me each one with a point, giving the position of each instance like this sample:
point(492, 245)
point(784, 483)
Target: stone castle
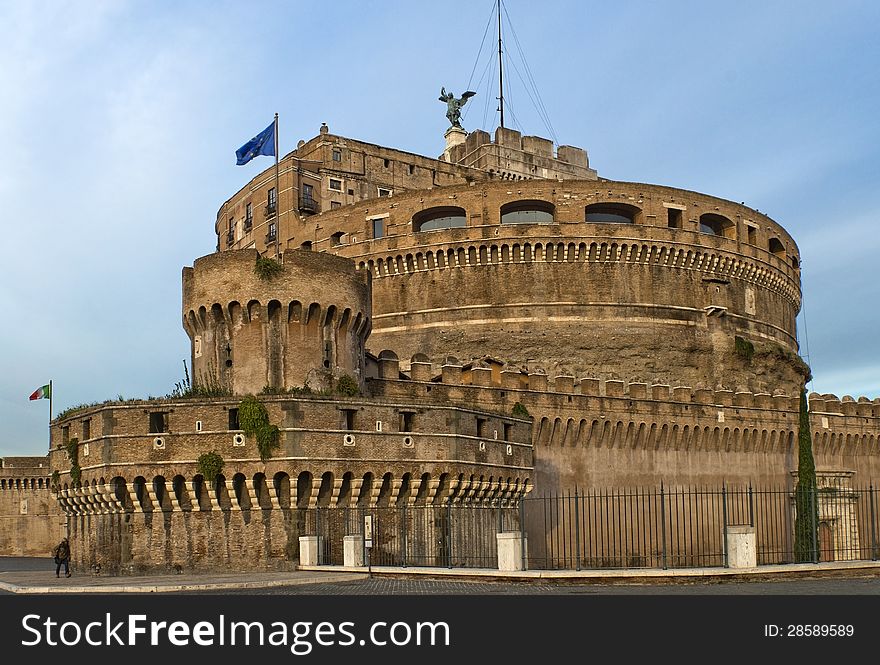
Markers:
point(502, 319)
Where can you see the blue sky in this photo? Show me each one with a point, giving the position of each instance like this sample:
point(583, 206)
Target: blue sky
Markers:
point(119, 123)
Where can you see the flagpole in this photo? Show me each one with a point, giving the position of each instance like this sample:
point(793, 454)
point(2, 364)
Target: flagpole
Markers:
point(277, 194)
point(51, 390)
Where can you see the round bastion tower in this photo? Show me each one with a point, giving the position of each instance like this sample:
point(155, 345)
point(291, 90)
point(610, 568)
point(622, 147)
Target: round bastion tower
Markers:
point(304, 326)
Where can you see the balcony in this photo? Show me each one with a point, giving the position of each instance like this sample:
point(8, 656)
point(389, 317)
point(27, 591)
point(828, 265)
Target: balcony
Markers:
point(271, 234)
point(230, 238)
point(309, 205)
point(248, 224)
point(270, 209)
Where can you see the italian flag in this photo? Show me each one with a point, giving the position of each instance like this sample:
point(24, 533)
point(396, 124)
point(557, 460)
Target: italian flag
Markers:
point(44, 392)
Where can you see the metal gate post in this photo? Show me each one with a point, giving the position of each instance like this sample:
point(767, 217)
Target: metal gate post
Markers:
point(449, 533)
point(403, 519)
point(873, 525)
point(577, 531)
point(663, 524)
point(724, 520)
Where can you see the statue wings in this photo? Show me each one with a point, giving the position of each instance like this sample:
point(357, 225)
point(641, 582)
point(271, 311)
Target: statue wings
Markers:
point(466, 96)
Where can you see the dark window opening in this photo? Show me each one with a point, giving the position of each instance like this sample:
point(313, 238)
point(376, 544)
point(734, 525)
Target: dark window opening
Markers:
point(481, 427)
point(336, 238)
point(378, 228)
point(248, 217)
point(307, 246)
point(442, 217)
point(87, 428)
point(527, 212)
point(328, 353)
point(616, 213)
point(233, 419)
point(336, 184)
point(384, 191)
point(508, 430)
point(795, 263)
point(776, 247)
point(673, 218)
point(271, 201)
point(717, 225)
point(351, 192)
point(270, 234)
point(65, 434)
point(387, 163)
point(407, 419)
point(752, 235)
point(157, 422)
point(337, 155)
point(412, 169)
point(334, 205)
point(348, 415)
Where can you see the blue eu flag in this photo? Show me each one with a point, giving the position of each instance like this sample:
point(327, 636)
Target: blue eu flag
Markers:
point(262, 144)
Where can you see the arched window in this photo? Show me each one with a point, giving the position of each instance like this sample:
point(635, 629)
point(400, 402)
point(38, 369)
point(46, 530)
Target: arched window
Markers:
point(776, 247)
point(611, 213)
point(527, 212)
point(717, 225)
point(441, 217)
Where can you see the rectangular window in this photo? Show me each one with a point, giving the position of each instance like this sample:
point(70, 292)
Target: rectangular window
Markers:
point(273, 198)
point(335, 185)
point(406, 421)
point(233, 419)
point(508, 430)
point(248, 217)
point(336, 238)
point(378, 228)
point(230, 233)
point(87, 428)
point(270, 235)
point(334, 205)
point(673, 218)
point(308, 191)
point(384, 191)
point(337, 155)
point(753, 235)
point(481, 427)
point(65, 434)
point(157, 422)
point(348, 418)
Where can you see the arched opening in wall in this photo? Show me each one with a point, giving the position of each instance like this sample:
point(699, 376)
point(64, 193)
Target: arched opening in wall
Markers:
point(294, 312)
point(344, 498)
point(363, 499)
point(440, 217)
point(442, 489)
point(385, 491)
point(221, 492)
point(306, 246)
point(303, 489)
point(119, 491)
point(261, 492)
point(254, 310)
point(424, 488)
point(160, 491)
point(178, 486)
point(281, 482)
point(328, 338)
point(139, 485)
point(795, 263)
point(325, 491)
point(527, 212)
point(776, 247)
point(611, 213)
point(405, 488)
point(239, 488)
point(200, 495)
point(717, 225)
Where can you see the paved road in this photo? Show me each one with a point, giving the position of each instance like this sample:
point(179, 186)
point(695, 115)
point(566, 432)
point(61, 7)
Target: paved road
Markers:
point(390, 586)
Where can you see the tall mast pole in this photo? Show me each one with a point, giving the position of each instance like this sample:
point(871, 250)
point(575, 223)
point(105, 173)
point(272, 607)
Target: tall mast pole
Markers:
point(500, 69)
point(277, 195)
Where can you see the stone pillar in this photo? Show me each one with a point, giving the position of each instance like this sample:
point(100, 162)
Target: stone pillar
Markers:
point(454, 136)
point(741, 547)
point(353, 550)
point(309, 547)
point(510, 550)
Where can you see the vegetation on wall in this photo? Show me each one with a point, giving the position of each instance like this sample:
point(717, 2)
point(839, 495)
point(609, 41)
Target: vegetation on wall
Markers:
point(744, 348)
point(771, 352)
point(55, 480)
point(267, 269)
point(253, 418)
point(346, 386)
point(73, 455)
point(520, 411)
point(210, 465)
point(206, 385)
point(806, 522)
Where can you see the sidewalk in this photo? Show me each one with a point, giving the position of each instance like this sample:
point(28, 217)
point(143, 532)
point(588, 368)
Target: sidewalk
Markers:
point(39, 582)
point(44, 582)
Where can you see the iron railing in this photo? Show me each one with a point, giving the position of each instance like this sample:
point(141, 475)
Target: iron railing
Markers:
point(679, 527)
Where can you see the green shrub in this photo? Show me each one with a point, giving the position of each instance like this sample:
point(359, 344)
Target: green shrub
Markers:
point(347, 386)
point(253, 418)
point(744, 348)
point(267, 269)
point(210, 465)
point(73, 455)
point(520, 411)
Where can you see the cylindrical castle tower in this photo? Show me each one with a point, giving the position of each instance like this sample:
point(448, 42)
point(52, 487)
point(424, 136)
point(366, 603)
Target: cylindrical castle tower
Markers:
point(300, 327)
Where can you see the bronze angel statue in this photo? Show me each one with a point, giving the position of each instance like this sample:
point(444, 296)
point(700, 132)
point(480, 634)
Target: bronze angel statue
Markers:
point(453, 105)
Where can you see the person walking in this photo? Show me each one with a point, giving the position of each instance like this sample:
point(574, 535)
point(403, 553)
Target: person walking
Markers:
point(62, 556)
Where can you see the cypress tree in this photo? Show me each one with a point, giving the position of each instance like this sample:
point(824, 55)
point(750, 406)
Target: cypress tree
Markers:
point(806, 522)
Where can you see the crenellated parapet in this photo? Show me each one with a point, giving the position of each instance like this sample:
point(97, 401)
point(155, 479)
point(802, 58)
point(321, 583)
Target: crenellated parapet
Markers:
point(301, 326)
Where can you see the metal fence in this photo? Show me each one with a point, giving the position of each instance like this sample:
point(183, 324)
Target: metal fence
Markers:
point(681, 527)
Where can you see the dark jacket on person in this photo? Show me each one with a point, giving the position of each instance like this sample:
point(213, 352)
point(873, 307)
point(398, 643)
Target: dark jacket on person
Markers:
point(62, 550)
